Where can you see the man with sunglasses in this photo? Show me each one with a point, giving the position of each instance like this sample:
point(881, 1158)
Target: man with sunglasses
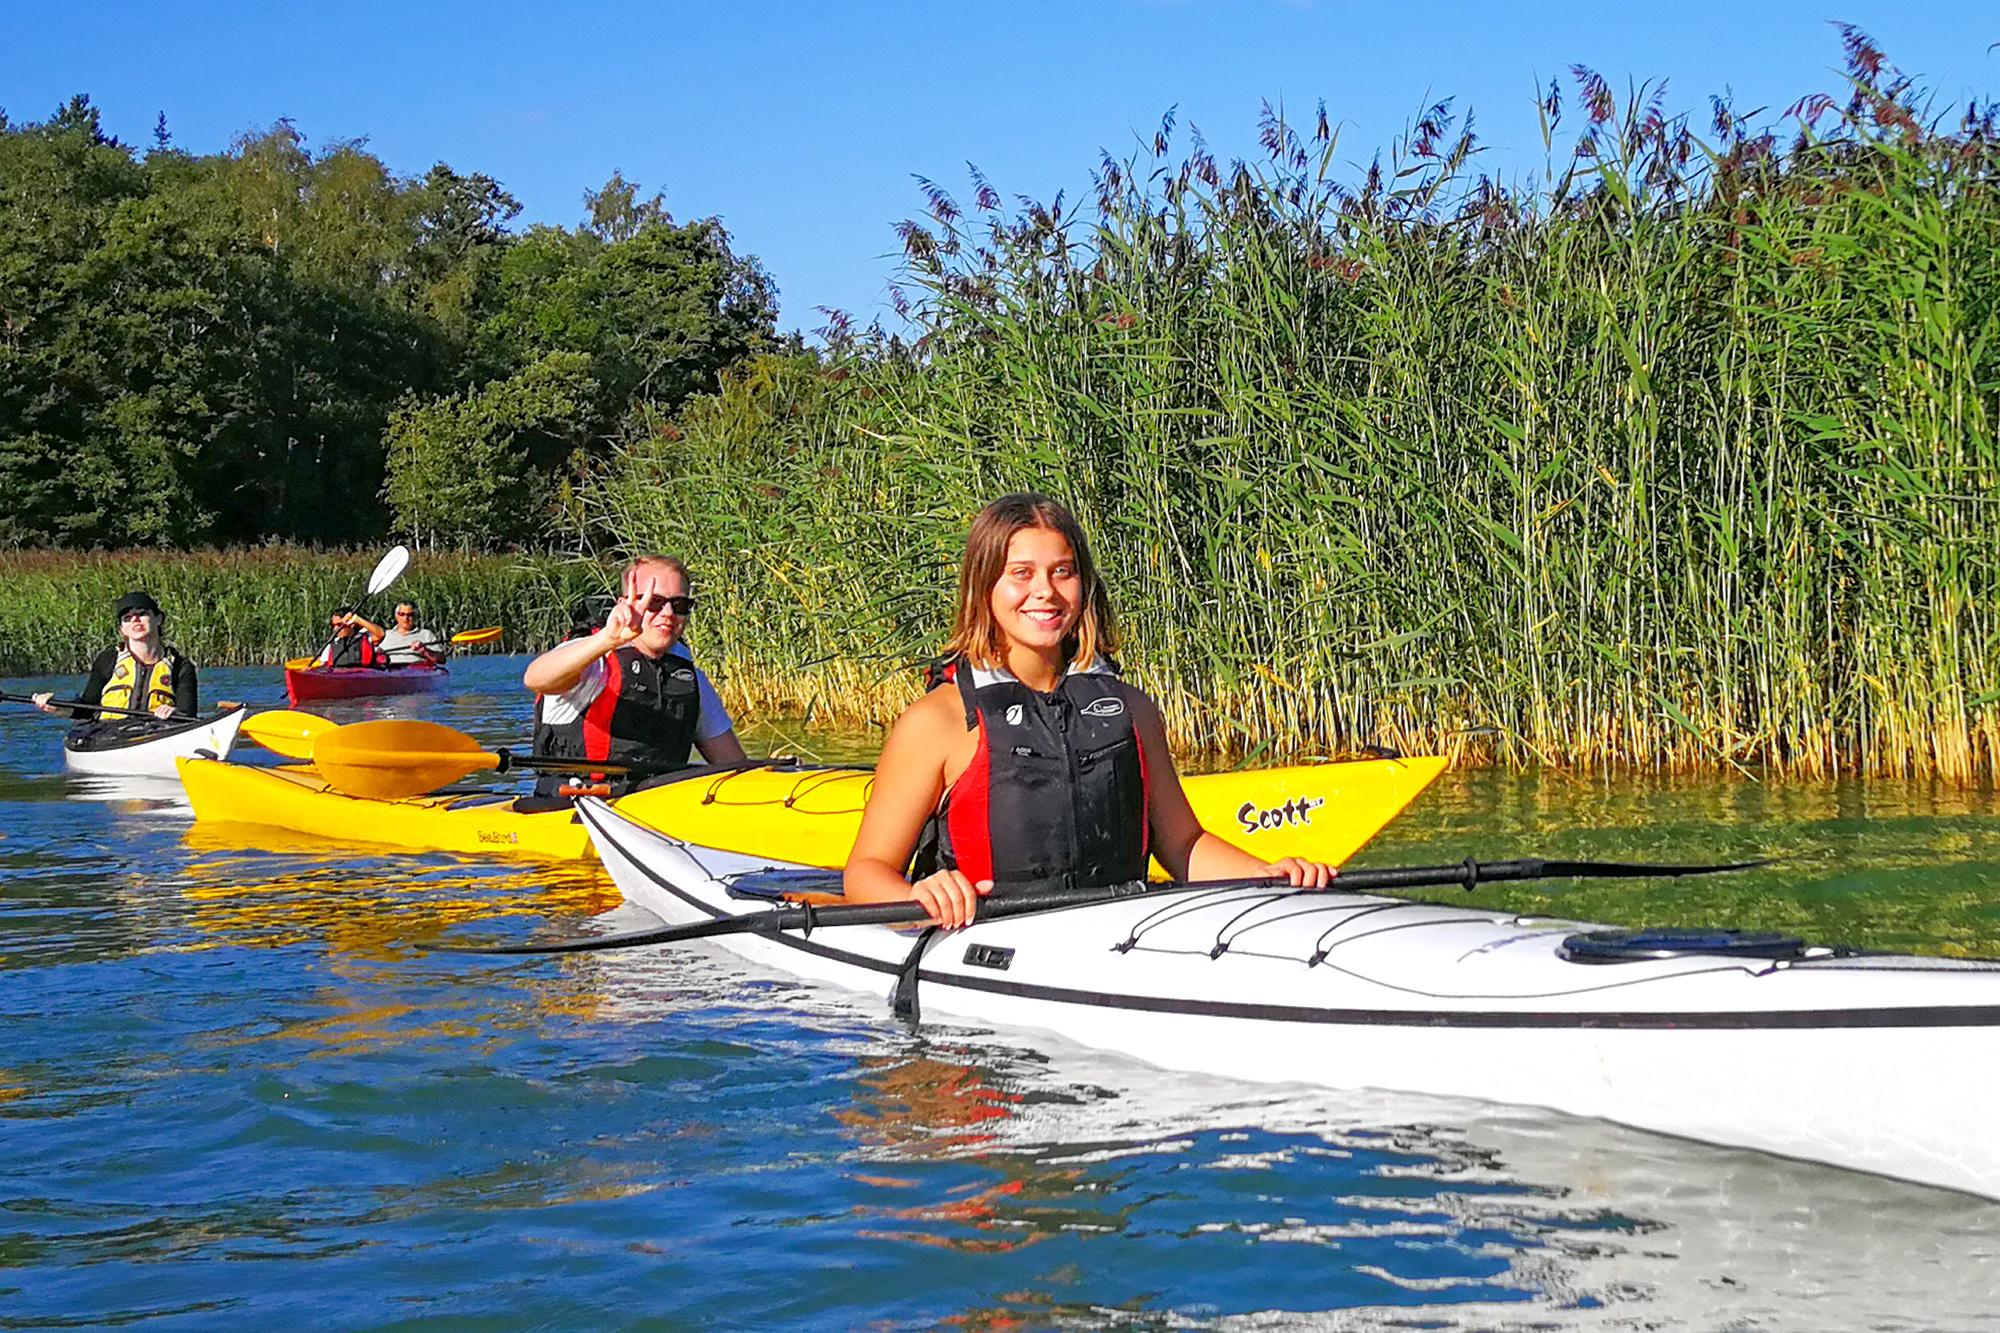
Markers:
point(630, 693)
point(405, 642)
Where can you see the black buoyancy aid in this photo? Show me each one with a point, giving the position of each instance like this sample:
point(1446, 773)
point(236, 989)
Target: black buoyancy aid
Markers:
point(1056, 789)
point(128, 672)
point(356, 650)
point(646, 714)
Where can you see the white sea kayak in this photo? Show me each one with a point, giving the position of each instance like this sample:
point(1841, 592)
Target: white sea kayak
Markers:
point(1875, 1062)
point(147, 747)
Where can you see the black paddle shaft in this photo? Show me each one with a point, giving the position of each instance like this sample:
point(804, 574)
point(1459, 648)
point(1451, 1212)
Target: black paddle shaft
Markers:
point(94, 708)
point(1467, 874)
point(562, 764)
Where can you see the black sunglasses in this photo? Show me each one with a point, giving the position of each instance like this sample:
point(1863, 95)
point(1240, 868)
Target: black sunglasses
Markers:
point(679, 605)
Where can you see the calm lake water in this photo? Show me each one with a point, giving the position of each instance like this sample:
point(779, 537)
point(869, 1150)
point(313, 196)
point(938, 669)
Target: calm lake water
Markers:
point(230, 1093)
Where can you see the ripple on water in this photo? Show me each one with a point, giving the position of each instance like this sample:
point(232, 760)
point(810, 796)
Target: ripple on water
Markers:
point(232, 1088)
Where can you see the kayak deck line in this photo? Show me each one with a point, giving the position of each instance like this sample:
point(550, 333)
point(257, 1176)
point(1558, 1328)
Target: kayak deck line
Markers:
point(1977, 1016)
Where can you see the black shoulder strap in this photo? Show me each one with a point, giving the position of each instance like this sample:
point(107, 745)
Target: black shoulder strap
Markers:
point(958, 669)
point(968, 695)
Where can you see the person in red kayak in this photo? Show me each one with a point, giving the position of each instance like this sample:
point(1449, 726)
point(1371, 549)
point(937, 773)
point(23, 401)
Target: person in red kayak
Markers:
point(405, 642)
point(1030, 759)
point(142, 672)
point(629, 693)
point(353, 642)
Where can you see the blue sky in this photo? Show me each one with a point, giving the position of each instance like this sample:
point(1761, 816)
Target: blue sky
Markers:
point(802, 125)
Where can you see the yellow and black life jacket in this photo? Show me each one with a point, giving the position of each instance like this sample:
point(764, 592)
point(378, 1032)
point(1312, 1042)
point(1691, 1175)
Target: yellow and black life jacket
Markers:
point(125, 682)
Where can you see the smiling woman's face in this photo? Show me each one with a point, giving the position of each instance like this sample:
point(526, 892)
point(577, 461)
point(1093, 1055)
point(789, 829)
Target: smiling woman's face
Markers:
point(1039, 594)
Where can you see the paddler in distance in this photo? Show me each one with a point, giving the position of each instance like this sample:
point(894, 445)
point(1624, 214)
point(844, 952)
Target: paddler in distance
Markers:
point(141, 672)
point(1029, 759)
point(629, 693)
point(404, 642)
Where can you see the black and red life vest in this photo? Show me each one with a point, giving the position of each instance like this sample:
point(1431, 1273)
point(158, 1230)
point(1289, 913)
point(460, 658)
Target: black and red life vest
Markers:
point(1057, 786)
point(356, 650)
point(645, 715)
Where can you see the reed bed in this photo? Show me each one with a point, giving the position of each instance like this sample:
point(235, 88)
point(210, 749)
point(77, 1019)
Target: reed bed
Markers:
point(1679, 455)
point(266, 604)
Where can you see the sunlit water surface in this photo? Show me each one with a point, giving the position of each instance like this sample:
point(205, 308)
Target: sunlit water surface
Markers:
point(229, 1092)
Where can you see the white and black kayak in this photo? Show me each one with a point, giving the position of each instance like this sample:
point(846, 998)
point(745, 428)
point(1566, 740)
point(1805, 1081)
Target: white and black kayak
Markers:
point(148, 747)
point(1876, 1062)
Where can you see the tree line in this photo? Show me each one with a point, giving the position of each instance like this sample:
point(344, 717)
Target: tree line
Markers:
point(277, 342)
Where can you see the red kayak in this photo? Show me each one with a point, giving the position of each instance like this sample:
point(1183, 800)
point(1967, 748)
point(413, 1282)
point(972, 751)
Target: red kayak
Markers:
point(306, 683)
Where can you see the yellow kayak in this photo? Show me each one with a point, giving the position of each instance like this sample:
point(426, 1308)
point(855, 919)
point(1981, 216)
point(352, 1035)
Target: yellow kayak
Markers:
point(807, 815)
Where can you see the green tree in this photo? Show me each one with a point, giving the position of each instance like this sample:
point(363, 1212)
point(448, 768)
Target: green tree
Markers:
point(473, 470)
point(209, 348)
point(618, 214)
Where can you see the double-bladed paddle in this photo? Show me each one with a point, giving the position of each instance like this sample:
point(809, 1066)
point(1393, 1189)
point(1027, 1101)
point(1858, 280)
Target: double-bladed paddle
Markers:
point(280, 729)
point(1467, 874)
point(463, 637)
point(285, 731)
point(387, 570)
point(392, 758)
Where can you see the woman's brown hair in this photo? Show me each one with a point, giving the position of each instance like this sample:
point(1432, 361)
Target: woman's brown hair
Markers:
point(974, 631)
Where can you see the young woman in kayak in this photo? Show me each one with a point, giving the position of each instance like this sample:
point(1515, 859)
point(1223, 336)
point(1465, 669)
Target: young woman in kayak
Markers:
point(141, 672)
point(629, 693)
point(1030, 759)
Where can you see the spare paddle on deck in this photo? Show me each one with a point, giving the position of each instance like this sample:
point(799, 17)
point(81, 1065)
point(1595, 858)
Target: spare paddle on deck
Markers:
point(1467, 874)
point(286, 732)
point(391, 758)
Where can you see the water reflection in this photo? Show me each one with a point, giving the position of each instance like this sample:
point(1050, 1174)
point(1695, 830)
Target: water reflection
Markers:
point(223, 1050)
point(1423, 1213)
point(1887, 865)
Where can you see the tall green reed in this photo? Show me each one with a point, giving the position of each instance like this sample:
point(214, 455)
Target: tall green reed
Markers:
point(1678, 455)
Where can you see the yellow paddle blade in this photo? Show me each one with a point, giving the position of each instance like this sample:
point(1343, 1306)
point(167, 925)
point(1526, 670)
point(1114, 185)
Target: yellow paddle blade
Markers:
point(390, 759)
point(487, 635)
point(300, 663)
point(290, 734)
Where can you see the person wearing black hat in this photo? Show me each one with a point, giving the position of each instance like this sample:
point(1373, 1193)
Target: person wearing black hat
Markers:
point(142, 672)
point(353, 642)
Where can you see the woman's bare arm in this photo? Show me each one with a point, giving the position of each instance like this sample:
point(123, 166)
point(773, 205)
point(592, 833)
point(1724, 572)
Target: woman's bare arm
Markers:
point(910, 780)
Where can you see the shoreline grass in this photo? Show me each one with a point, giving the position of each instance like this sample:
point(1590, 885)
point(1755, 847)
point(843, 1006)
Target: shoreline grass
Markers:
point(265, 604)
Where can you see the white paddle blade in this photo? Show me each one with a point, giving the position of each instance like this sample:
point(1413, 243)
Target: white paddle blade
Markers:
point(389, 569)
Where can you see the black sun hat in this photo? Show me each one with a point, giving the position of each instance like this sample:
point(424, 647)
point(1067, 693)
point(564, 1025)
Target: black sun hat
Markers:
point(138, 601)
